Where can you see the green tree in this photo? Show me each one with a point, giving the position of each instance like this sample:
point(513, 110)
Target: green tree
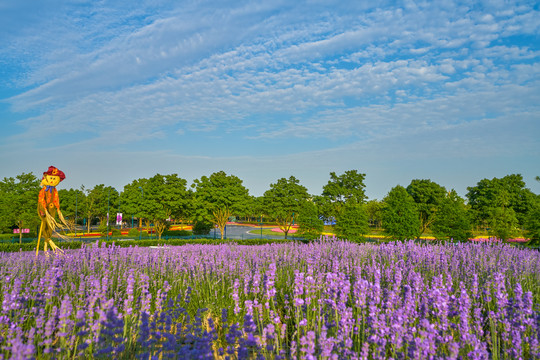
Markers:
point(400, 216)
point(102, 200)
point(202, 228)
point(483, 197)
point(502, 220)
point(255, 208)
point(310, 224)
point(341, 189)
point(532, 223)
point(71, 204)
point(374, 212)
point(325, 207)
point(352, 223)
point(452, 220)
point(18, 201)
point(427, 195)
point(284, 200)
point(218, 197)
point(165, 196)
point(88, 208)
point(503, 223)
point(132, 199)
point(98, 203)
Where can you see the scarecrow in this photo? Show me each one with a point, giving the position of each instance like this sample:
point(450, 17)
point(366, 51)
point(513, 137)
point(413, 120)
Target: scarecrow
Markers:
point(48, 207)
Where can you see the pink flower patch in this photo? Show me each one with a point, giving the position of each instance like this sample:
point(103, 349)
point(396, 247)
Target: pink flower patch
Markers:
point(291, 231)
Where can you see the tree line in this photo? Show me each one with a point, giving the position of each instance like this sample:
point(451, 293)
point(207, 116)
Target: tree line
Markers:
point(502, 207)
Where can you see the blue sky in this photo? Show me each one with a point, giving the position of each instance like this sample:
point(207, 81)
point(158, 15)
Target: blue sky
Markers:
point(112, 91)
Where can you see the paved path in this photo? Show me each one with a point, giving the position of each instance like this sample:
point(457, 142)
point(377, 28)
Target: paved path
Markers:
point(232, 232)
point(243, 232)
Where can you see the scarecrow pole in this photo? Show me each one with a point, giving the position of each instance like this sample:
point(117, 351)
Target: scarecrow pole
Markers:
point(48, 207)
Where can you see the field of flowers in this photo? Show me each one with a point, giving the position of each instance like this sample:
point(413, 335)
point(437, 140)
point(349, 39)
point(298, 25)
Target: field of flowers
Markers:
point(325, 300)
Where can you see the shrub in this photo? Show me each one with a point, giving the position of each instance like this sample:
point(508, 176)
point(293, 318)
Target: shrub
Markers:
point(133, 232)
point(112, 231)
point(16, 247)
point(116, 232)
point(103, 229)
point(179, 233)
point(202, 228)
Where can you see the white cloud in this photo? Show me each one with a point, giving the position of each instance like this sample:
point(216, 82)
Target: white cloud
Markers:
point(100, 74)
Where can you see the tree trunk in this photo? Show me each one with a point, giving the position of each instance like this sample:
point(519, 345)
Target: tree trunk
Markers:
point(148, 222)
point(220, 217)
point(89, 221)
point(159, 226)
point(20, 231)
point(285, 225)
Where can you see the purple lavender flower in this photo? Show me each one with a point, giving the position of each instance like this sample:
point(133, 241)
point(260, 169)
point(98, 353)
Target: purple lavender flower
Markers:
point(329, 299)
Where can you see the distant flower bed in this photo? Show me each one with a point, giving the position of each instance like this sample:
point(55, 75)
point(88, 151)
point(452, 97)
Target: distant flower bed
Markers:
point(518, 240)
point(324, 300)
point(495, 240)
point(292, 230)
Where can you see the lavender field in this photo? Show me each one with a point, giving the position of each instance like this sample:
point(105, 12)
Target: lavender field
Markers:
point(327, 300)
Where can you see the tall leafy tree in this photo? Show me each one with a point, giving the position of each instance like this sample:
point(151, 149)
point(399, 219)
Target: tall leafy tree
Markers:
point(487, 194)
point(427, 195)
point(18, 202)
point(219, 196)
point(71, 203)
point(310, 224)
point(98, 203)
point(132, 199)
point(255, 208)
point(105, 201)
point(352, 223)
point(341, 189)
point(452, 219)
point(325, 207)
point(374, 212)
point(165, 196)
point(284, 200)
point(502, 220)
point(400, 217)
point(532, 223)
point(88, 208)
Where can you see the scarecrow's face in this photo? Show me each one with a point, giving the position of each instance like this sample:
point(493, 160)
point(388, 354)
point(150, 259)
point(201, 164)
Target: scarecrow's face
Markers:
point(51, 180)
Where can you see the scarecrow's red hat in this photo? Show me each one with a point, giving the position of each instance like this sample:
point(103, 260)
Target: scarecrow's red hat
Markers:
point(54, 171)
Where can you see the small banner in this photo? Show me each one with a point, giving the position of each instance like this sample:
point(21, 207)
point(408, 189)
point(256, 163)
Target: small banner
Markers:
point(118, 218)
point(24, 231)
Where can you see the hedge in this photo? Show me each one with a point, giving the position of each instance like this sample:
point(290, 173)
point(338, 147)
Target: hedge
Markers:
point(8, 247)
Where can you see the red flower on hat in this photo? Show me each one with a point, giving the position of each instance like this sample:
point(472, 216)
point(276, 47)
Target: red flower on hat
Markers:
point(54, 171)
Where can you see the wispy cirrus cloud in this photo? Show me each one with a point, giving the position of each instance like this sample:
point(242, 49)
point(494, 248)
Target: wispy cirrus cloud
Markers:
point(313, 72)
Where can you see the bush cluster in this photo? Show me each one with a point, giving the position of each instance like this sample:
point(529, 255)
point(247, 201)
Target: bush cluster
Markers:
point(176, 233)
point(8, 247)
point(202, 228)
point(133, 232)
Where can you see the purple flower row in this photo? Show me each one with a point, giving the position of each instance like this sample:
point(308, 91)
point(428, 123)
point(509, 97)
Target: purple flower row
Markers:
point(325, 300)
